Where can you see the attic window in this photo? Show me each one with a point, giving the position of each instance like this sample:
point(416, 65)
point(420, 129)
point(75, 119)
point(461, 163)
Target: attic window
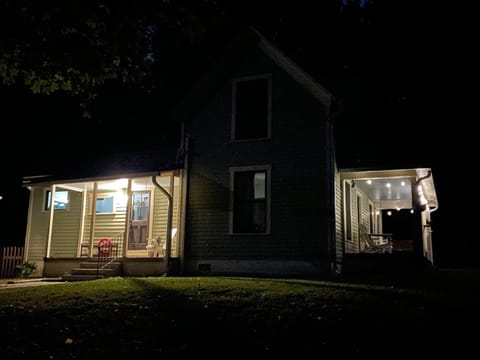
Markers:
point(251, 108)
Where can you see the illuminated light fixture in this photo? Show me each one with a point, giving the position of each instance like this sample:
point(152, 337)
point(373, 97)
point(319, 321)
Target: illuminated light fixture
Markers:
point(402, 183)
point(121, 196)
point(389, 213)
point(398, 209)
point(411, 211)
point(1, 197)
point(369, 182)
point(388, 185)
point(377, 213)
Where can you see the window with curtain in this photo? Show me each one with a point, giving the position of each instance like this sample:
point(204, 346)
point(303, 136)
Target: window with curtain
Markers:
point(250, 201)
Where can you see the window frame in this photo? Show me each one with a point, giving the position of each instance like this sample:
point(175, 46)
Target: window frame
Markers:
point(103, 194)
point(268, 197)
point(45, 199)
point(237, 80)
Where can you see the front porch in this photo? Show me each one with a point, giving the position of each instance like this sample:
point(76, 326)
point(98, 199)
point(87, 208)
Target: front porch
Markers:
point(387, 212)
point(136, 221)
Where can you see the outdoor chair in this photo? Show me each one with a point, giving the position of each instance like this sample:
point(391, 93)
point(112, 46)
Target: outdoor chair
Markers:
point(375, 242)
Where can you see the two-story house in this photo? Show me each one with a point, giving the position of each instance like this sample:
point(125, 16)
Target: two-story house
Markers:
point(252, 187)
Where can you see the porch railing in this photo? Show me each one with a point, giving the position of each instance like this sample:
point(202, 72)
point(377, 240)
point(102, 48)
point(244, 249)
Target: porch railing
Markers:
point(108, 250)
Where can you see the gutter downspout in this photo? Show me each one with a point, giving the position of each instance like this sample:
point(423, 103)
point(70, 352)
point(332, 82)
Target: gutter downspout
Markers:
point(168, 240)
point(429, 174)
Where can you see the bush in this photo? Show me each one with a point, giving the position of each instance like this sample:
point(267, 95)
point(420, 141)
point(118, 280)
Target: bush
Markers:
point(27, 268)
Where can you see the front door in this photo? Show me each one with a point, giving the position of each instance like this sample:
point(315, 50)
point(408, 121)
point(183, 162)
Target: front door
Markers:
point(137, 239)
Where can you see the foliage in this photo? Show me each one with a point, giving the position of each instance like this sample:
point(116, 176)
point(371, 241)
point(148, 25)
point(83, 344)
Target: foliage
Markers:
point(27, 268)
point(77, 46)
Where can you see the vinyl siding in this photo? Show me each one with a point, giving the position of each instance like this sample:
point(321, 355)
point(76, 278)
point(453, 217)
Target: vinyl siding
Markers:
point(353, 246)
point(339, 246)
point(298, 160)
point(106, 225)
point(160, 213)
point(66, 227)
point(38, 227)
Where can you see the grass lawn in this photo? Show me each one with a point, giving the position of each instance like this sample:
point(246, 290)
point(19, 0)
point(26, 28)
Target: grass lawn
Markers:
point(145, 317)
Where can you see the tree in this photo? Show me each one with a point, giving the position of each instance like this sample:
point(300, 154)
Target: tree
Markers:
point(76, 47)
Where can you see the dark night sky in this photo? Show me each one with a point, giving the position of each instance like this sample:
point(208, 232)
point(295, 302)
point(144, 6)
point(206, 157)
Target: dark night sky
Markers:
point(406, 73)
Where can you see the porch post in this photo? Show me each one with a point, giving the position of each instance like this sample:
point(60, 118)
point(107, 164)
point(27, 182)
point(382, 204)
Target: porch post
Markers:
point(128, 215)
point(93, 207)
point(82, 222)
point(50, 224)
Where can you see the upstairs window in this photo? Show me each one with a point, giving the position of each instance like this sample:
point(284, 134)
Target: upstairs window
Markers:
point(251, 108)
point(60, 200)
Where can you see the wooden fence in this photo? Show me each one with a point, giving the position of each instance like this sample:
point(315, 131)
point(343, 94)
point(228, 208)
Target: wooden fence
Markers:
point(10, 257)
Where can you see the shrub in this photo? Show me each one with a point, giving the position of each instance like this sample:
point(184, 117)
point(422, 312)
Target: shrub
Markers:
point(27, 268)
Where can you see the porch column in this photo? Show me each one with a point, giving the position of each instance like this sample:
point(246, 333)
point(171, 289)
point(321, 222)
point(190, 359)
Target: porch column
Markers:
point(93, 208)
point(128, 216)
point(50, 224)
point(82, 222)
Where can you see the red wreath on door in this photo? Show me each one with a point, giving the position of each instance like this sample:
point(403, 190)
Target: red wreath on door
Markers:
point(105, 246)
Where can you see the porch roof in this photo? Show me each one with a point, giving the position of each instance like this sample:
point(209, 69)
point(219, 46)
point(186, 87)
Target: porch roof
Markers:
point(394, 188)
point(105, 166)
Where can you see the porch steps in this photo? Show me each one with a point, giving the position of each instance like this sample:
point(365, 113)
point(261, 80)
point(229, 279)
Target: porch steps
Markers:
point(88, 271)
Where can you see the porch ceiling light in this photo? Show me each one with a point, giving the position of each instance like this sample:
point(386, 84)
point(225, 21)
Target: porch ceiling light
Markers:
point(389, 213)
point(388, 185)
point(402, 183)
point(369, 182)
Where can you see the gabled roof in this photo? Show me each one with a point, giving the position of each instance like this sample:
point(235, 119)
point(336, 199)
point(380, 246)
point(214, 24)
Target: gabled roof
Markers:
point(219, 70)
point(287, 64)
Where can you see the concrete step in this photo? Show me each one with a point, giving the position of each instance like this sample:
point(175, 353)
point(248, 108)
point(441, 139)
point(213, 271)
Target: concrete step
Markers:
point(105, 272)
point(81, 277)
point(93, 265)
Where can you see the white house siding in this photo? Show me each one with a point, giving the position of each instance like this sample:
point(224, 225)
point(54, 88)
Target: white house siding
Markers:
point(160, 213)
point(339, 246)
point(38, 235)
point(106, 225)
point(354, 246)
point(66, 227)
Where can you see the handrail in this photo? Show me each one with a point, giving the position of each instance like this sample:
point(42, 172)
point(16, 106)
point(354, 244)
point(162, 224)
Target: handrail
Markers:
point(109, 251)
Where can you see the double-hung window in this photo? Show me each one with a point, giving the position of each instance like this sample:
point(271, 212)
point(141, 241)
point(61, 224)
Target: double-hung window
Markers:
point(250, 188)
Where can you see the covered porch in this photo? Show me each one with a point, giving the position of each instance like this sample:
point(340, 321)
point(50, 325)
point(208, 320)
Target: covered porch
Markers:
point(386, 211)
point(136, 220)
